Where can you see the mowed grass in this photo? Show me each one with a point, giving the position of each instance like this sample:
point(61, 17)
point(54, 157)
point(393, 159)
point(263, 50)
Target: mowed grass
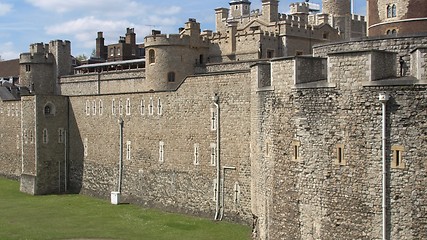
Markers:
point(80, 217)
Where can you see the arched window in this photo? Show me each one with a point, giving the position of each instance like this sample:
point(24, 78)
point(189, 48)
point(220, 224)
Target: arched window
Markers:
point(171, 77)
point(152, 56)
point(393, 10)
point(49, 109)
point(388, 11)
point(394, 32)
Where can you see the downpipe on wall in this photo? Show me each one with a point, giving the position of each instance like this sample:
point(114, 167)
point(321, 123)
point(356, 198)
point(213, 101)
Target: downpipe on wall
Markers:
point(218, 167)
point(384, 97)
point(119, 187)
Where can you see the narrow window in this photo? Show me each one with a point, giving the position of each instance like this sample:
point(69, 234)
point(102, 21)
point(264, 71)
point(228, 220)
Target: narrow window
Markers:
point(87, 107)
point(128, 144)
point(215, 189)
point(296, 155)
point(213, 119)
point(236, 193)
point(394, 32)
point(171, 76)
point(18, 142)
point(142, 107)
point(201, 59)
point(28, 68)
point(118, 51)
point(85, 147)
point(25, 136)
point(113, 107)
point(16, 110)
point(8, 111)
point(93, 107)
point(397, 160)
point(196, 154)
point(388, 11)
point(128, 106)
point(112, 52)
point(213, 154)
point(152, 56)
point(161, 151)
point(270, 53)
point(151, 107)
point(101, 107)
point(61, 135)
point(340, 157)
point(47, 110)
point(120, 107)
point(393, 10)
point(159, 107)
point(45, 136)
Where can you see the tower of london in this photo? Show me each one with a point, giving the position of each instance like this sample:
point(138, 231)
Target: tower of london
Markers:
point(300, 125)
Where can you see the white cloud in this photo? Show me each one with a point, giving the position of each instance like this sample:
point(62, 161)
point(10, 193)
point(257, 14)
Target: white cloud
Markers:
point(5, 8)
point(7, 51)
point(104, 6)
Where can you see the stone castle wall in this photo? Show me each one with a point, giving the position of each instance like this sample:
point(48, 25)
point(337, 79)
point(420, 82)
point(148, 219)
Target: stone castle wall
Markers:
point(10, 135)
point(184, 123)
point(315, 197)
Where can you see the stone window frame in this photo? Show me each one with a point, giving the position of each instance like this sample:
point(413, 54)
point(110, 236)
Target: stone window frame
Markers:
point(142, 107)
point(391, 10)
point(94, 107)
point(120, 107)
point(296, 151)
point(113, 107)
point(196, 160)
point(340, 157)
point(213, 154)
point(101, 107)
point(49, 109)
point(213, 119)
point(118, 51)
point(28, 68)
point(161, 152)
point(159, 107)
point(128, 150)
point(25, 136)
point(61, 135)
point(45, 136)
point(87, 107)
point(215, 189)
point(128, 107)
point(151, 107)
point(397, 160)
point(151, 56)
point(237, 193)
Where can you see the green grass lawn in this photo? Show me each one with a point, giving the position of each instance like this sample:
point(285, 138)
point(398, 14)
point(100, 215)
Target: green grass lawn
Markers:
point(80, 217)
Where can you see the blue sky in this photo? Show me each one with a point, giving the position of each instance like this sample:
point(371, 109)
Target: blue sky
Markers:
point(23, 22)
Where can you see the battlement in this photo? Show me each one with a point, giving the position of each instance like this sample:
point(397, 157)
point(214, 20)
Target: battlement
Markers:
point(357, 18)
point(36, 58)
point(39, 48)
point(291, 19)
point(173, 40)
point(299, 8)
point(59, 43)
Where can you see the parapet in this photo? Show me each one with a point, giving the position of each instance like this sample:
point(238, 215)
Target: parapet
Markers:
point(37, 58)
point(39, 48)
point(299, 8)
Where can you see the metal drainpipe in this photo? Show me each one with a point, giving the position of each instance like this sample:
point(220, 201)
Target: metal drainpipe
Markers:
point(384, 97)
point(218, 167)
point(121, 123)
point(222, 190)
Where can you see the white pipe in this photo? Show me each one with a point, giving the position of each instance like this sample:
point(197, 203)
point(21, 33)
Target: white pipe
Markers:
point(218, 167)
point(119, 188)
point(383, 97)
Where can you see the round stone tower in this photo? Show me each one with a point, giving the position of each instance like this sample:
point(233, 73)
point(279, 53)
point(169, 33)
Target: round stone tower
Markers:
point(339, 12)
point(396, 18)
point(337, 7)
point(171, 58)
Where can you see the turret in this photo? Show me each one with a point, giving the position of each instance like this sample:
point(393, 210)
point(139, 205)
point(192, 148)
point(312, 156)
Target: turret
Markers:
point(339, 15)
point(221, 15)
point(171, 58)
point(270, 10)
point(240, 8)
